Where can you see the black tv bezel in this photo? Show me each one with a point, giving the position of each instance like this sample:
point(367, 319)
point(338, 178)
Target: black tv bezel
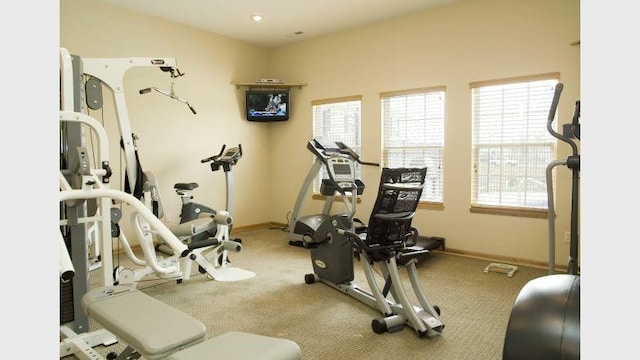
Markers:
point(267, 118)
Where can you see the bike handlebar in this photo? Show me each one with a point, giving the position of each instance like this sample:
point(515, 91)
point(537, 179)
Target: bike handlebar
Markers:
point(214, 157)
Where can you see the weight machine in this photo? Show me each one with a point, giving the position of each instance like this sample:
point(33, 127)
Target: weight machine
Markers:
point(85, 200)
point(85, 197)
point(86, 88)
point(150, 328)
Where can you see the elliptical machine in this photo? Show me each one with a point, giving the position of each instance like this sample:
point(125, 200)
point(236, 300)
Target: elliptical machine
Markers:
point(570, 132)
point(335, 160)
point(545, 318)
point(386, 241)
point(338, 160)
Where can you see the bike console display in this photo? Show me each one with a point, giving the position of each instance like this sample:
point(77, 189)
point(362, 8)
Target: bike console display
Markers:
point(225, 158)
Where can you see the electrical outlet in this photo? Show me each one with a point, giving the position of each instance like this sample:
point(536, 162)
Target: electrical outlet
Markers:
point(567, 237)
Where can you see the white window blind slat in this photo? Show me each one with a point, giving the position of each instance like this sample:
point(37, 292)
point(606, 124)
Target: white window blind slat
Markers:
point(338, 120)
point(511, 146)
point(413, 135)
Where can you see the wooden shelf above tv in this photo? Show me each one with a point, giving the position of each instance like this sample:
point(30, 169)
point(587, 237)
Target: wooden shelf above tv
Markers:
point(264, 85)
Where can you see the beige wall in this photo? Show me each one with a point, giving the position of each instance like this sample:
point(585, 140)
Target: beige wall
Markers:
point(452, 46)
point(172, 139)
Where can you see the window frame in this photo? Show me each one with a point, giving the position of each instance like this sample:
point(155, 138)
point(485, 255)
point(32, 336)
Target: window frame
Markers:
point(521, 209)
point(423, 122)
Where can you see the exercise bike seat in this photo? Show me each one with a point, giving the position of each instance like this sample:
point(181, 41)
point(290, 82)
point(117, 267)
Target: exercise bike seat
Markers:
point(186, 186)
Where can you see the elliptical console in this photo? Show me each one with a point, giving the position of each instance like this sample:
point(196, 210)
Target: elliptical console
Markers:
point(339, 161)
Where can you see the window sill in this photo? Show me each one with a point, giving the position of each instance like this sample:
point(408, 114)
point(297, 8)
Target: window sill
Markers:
point(506, 211)
point(430, 205)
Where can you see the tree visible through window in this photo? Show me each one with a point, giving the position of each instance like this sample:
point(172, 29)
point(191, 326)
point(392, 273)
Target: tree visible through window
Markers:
point(511, 146)
point(413, 134)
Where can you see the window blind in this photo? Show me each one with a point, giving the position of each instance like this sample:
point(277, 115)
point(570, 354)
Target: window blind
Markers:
point(338, 119)
point(413, 134)
point(511, 146)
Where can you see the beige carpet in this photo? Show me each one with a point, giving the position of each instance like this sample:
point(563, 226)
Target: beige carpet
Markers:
point(328, 324)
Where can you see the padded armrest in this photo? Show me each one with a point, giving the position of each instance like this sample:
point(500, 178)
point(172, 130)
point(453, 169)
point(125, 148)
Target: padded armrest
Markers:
point(193, 227)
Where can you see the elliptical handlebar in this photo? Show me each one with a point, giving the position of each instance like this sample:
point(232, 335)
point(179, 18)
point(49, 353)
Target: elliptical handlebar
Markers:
point(324, 148)
point(574, 125)
point(344, 149)
point(554, 105)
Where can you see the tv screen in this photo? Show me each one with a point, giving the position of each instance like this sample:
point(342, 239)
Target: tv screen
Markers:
point(267, 105)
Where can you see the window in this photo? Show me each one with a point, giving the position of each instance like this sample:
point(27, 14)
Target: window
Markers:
point(413, 135)
point(511, 146)
point(337, 120)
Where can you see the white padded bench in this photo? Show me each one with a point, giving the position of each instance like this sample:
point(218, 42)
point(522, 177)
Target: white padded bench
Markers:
point(158, 331)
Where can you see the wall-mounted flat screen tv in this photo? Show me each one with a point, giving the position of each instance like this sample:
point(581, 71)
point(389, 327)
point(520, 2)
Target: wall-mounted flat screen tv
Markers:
point(267, 105)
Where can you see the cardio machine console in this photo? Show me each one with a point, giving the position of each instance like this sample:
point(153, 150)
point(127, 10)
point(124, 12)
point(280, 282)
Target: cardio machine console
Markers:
point(341, 171)
point(231, 154)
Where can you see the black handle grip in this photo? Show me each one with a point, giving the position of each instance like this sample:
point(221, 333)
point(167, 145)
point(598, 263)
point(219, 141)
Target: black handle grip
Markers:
point(554, 102)
point(368, 163)
point(144, 91)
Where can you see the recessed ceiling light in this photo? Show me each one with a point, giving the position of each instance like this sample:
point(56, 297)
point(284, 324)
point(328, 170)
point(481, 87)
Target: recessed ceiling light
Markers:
point(257, 17)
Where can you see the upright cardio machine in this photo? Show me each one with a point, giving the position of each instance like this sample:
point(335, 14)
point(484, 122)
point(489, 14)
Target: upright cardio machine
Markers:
point(545, 318)
point(386, 241)
point(338, 160)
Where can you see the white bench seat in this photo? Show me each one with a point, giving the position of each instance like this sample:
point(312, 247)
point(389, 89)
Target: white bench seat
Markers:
point(159, 331)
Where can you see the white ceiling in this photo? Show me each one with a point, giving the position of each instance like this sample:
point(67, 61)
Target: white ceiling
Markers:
point(282, 18)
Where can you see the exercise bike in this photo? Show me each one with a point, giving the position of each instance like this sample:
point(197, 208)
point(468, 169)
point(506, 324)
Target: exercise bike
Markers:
point(207, 231)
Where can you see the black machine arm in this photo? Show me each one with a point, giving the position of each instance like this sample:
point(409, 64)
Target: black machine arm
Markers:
point(338, 159)
point(570, 130)
point(344, 149)
point(324, 149)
